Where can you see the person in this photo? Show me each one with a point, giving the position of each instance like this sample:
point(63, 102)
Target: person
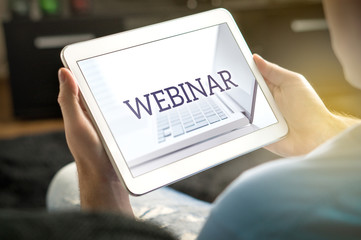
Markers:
point(313, 193)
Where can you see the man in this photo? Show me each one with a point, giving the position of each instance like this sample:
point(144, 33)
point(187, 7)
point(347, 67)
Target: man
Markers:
point(316, 195)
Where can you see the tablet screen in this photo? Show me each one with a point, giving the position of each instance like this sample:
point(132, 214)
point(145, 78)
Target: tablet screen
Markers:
point(174, 97)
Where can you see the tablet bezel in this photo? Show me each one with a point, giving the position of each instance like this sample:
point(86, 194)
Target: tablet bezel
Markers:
point(183, 168)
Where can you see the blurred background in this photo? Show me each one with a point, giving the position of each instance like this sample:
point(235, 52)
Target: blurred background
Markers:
point(291, 33)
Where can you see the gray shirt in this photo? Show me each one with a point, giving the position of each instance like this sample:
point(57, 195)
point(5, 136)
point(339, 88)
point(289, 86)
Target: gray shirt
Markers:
point(316, 196)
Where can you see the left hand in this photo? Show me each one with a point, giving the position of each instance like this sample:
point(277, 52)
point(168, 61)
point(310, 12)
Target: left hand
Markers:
point(100, 187)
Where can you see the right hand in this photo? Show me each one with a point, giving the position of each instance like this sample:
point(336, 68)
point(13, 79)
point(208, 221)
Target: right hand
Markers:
point(310, 123)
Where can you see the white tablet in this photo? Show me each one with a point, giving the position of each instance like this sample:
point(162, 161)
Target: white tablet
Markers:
point(175, 98)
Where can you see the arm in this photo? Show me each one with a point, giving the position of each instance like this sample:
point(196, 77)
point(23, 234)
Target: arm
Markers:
point(310, 123)
point(100, 188)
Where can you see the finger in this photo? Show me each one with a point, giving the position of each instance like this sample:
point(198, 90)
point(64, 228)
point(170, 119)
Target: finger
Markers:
point(79, 132)
point(273, 73)
point(68, 97)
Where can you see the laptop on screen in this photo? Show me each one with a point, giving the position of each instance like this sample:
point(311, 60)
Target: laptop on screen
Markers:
point(223, 100)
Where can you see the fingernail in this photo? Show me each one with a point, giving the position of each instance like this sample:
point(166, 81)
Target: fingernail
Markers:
point(259, 56)
point(61, 76)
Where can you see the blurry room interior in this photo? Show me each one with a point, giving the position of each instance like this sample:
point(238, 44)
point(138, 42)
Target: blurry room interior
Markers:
point(290, 33)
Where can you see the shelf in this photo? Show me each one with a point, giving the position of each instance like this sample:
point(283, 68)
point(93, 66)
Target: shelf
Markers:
point(11, 129)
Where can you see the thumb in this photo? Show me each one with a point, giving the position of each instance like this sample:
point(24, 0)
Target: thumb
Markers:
point(273, 73)
point(68, 97)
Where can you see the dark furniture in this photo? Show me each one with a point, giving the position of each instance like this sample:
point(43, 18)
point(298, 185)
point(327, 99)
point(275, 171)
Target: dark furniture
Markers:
point(33, 49)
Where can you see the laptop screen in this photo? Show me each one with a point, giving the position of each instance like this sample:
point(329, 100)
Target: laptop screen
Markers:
point(174, 97)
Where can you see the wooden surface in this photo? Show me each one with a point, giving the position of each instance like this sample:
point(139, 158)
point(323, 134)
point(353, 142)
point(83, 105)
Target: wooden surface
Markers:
point(11, 129)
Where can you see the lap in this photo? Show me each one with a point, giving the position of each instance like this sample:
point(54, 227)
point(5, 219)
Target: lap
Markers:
point(312, 197)
point(183, 215)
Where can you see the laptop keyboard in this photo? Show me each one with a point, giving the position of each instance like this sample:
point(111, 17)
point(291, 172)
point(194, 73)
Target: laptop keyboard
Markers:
point(186, 119)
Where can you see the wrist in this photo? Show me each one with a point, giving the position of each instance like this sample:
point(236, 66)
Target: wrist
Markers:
point(346, 121)
point(339, 123)
point(330, 126)
point(101, 190)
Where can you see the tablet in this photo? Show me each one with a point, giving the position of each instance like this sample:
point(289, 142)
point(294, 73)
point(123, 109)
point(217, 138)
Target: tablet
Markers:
point(173, 99)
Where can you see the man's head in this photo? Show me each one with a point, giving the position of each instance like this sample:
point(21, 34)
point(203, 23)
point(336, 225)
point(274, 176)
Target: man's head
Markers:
point(344, 21)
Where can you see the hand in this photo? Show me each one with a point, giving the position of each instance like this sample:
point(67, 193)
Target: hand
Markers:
point(100, 188)
point(310, 123)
